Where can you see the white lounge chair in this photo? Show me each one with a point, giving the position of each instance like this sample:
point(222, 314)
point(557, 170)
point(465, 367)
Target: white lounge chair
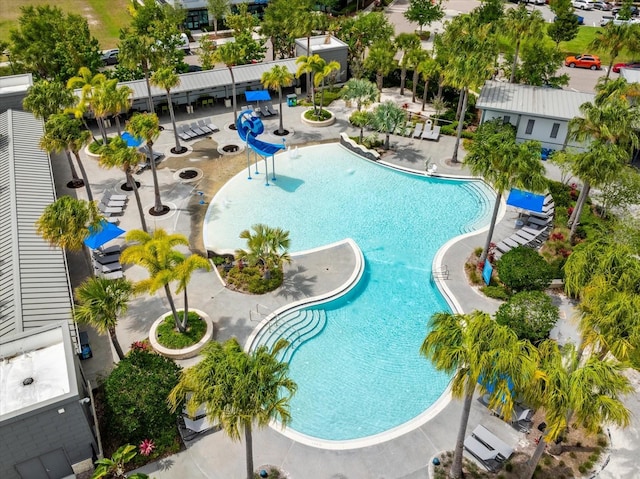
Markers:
point(106, 259)
point(433, 135)
point(417, 132)
point(113, 203)
point(185, 133)
point(110, 210)
point(107, 268)
point(115, 197)
point(204, 126)
point(493, 442)
point(196, 129)
point(113, 275)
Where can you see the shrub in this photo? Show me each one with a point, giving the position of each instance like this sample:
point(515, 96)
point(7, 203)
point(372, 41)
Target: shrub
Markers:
point(524, 269)
point(169, 337)
point(469, 135)
point(135, 395)
point(495, 292)
point(582, 469)
point(572, 455)
point(602, 441)
point(547, 461)
point(508, 466)
point(250, 279)
point(530, 314)
point(560, 193)
point(450, 130)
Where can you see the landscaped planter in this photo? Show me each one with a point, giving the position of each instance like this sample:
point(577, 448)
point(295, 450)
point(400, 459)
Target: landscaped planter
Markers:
point(184, 353)
point(330, 121)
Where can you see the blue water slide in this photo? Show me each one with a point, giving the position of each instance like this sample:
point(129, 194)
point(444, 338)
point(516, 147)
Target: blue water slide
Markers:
point(249, 127)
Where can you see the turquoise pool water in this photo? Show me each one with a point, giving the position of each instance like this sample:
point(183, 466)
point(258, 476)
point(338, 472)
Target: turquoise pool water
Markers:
point(363, 374)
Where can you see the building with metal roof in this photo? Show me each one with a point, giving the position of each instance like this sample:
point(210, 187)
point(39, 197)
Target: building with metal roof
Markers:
point(13, 89)
point(538, 113)
point(34, 282)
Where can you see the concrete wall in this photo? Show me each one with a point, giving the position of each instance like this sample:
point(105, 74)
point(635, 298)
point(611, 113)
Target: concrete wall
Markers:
point(36, 433)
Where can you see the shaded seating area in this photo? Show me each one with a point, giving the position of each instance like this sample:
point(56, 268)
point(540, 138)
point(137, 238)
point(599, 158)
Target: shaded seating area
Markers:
point(487, 448)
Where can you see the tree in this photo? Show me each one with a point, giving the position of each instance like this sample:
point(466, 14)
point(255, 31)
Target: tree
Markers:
point(531, 315)
point(427, 68)
point(588, 392)
point(564, 27)
point(53, 45)
point(325, 70)
point(539, 65)
point(622, 192)
point(612, 39)
point(521, 24)
point(305, 22)
point(524, 269)
point(100, 302)
point(387, 117)
point(207, 52)
point(157, 255)
point(167, 79)
point(119, 100)
point(496, 157)
point(276, 78)
point(362, 91)
point(147, 126)
point(381, 61)
point(115, 465)
point(45, 98)
point(361, 119)
point(93, 96)
point(238, 389)
point(243, 23)
point(474, 348)
point(65, 222)
point(406, 43)
point(424, 12)
point(266, 246)
point(414, 58)
point(217, 9)
point(277, 27)
point(230, 54)
point(183, 272)
point(116, 154)
point(310, 64)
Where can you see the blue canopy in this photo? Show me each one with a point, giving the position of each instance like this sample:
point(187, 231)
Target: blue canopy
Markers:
point(131, 140)
point(103, 234)
point(525, 200)
point(257, 95)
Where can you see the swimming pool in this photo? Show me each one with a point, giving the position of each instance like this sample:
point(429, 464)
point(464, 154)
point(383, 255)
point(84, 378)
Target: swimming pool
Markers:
point(363, 374)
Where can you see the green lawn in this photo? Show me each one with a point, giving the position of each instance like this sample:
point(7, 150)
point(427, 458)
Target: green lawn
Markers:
point(105, 17)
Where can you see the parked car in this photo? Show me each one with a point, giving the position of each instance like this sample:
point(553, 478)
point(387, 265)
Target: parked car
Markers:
point(583, 61)
point(110, 57)
point(606, 19)
point(618, 21)
point(194, 68)
point(635, 64)
point(582, 4)
point(604, 6)
point(634, 10)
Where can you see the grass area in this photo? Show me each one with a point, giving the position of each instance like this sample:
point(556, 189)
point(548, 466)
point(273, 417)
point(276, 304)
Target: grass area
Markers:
point(169, 337)
point(105, 18)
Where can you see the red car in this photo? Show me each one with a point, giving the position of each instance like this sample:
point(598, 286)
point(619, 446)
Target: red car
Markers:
point(632, 64)
point(583, 61)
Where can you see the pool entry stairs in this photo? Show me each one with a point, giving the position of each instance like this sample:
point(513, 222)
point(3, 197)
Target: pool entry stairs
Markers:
point(483, 193)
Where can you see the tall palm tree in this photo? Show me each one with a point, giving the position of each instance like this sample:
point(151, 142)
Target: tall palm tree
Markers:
point(612, 39)
point(310, 64)
point(588, 392)
point(496, 157)
point(414, 59)
point(473, 347)
point(91, 98)
point(238, 389)
point(147, 126)
point(55, 140)
point(137, 51)
point(361, 119)
point(100, 302)
point(167, 79)
point(323, 73)
point(386, 118)
point(276, 78)
point(266, 246)
point(230, 53)
point(305, 22)
point(360, 90)
point(520, 24)
point(157, 255)
point(406, 43)
point(65, 222)
point(120, 99)
point(45, 98)
point(183, 272)
point(380, 60)
point(116, 154)
point(427, 69)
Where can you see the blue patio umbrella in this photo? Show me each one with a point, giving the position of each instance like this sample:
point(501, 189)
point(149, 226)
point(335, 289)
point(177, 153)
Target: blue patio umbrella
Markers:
point(131, 140)
point(525, 200)
point(103, 234)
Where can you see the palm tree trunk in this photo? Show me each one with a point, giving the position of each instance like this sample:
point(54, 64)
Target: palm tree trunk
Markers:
point(103, 130)
point(424, 95)
point(83, 172)
point(494, 217)
point(460, 102)
point(574, 220)
point(321, 97)
point(415, 85)
point(185, 313)
point(280, 123)
point(379, 80)
point(403, 78)
point(134, 186)
point(361, 134)
point(606, 78)
point(86, 127)
point(74, 174)
point(309, 83)
point(313, 93)
point(248, 449)
point(535, 459)
point(273, 48)
point(172, 305)
point(173, 123)
point(233, 92)
point(145, 68)
point(456, 467)
point(454, 158)
point(386, 140)
point(512, 79)
point(118, 127)
point(440, 87)
point(116, 343)
point(156, 187)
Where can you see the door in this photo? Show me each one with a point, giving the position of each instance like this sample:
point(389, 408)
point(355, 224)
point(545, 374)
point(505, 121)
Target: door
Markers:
point(52, 465)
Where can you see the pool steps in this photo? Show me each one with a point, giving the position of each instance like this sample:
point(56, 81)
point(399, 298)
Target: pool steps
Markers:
point(484, 198)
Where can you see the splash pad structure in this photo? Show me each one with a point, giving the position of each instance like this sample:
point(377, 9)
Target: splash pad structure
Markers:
point(249, 126)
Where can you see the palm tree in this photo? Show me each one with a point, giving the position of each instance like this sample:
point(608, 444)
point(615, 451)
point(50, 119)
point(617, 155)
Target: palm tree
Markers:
point(310, 65)
point(380, 60)
point(238, 389)
point(361, 119)
point(496, 157)
point(183, 273)
point(230, 53)
point(92, 88)
point(305, 22)
point(120, 100)
point(612, 39)
point(65, 222)
point(45, 98)
point(55, 140)
point(137, 51)
point(473, 347)
point(266, 247)
point(414, 59)
point(320, 75)
point(362, 91)
point(427, 68)
point(387, 117)
point(116, 154)
point(589, 392)
point(520, 24)
point(167, 79)
point(406, 43)
point(276, 78)
point(100, 302)
point(147, 126)
point(157, 255)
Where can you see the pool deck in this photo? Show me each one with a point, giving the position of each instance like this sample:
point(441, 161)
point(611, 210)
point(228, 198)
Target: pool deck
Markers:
point(213, 455)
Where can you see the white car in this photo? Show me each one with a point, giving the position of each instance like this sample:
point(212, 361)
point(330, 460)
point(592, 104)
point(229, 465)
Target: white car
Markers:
point(617, 21)
point(582, 4)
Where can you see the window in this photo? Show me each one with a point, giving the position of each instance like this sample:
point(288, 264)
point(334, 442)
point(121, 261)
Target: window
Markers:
point(506, 119)
point(529, 129)
point(554, 130)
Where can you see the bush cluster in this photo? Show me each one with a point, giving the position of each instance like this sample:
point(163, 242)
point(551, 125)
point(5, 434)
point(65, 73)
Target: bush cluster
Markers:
point(524, 269)
point(250, 279)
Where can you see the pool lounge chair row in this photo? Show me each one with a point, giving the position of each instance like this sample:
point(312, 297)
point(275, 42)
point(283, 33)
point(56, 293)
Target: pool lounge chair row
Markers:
point(531, 235)
point(112, 205)
point(487, 448)
point(106, 262)
point(196, 129)
point(266, 111)
point(424, 131)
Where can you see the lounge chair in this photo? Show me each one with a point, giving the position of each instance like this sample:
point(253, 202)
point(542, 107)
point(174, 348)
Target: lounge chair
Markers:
point(519, 239)
point(115, 197)
point(271, 109)
point(107, 268)
point(109, 250)
point(479, 450)
point(106, 259)
point(533, 220)
point(110, 210)
point(503, 248)
point(185, 133)
point(433, 135)
point(417, 132)
point(493, 442)
point(212, 126)
point(113, 275)
point(203, 125)
point(109, 202)
point(196, 129)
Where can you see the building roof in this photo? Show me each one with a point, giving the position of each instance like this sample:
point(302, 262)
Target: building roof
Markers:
point(321, 42)
point(34, 284)
point(15, 83)
point(632, 75)
point(210, 79)
point(532, 100)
